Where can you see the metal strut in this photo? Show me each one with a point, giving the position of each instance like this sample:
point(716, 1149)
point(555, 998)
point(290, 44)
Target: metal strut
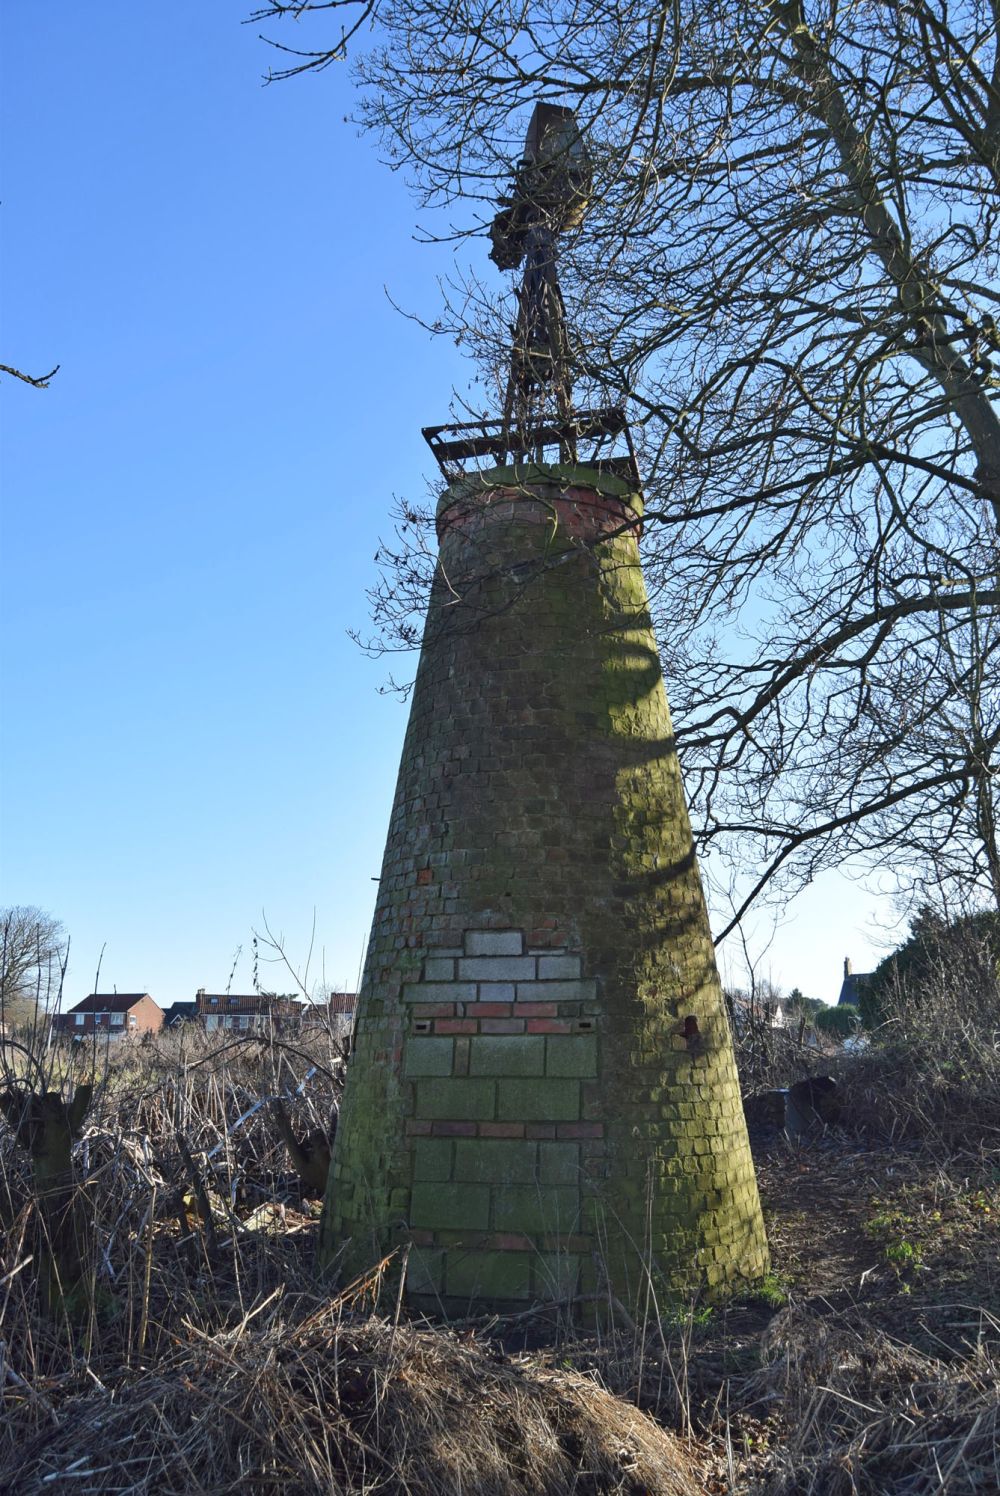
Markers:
point(549, 195)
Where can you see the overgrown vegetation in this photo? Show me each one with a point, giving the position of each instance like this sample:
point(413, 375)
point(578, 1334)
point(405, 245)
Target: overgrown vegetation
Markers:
point(841, 1021)
point(208, 1356)
point(942, 959)
point(932, 1070)
point(204, 1354)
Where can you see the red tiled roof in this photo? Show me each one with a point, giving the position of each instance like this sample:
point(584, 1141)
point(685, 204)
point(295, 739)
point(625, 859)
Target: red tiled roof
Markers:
point(244, 1002)
point(109, 1002)
point(343, 1002)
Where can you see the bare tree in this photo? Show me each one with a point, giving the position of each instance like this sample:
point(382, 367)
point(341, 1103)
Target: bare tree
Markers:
point(940, 713)
point(788, 274)
point(32, 946)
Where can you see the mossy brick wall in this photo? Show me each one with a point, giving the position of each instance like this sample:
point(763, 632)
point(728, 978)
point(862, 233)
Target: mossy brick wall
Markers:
point(543, 1091)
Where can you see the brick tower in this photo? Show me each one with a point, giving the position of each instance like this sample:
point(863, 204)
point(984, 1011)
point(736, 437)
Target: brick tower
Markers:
point(542, 1099)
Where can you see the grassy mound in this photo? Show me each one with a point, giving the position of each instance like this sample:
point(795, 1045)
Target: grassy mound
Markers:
point(328, 1402)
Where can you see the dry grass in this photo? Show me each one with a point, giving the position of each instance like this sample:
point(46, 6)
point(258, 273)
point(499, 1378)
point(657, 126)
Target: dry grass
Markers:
point(212, 1360)
point(335, 1402)
point(192, 1210)
point(868, 1415)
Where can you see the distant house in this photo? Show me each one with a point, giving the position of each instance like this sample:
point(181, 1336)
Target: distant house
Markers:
point(746, 1012)
point(111, 1014)
point(179, 1013)
point(253, 1013)
point(342, 1008)
point(335, 1014)
point(854, 984)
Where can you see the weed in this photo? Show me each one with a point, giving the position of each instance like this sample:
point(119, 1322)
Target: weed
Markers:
point(771, 1291)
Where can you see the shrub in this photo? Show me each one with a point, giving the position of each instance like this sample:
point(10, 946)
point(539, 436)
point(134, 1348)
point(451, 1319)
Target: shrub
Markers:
point(932, 1069)
point(840, 1022)
point(939, 961)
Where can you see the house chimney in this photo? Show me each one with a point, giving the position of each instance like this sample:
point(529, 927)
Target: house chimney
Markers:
point(847, 967)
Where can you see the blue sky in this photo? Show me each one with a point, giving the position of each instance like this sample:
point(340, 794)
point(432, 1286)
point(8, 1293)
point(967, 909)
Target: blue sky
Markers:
point(190, 512)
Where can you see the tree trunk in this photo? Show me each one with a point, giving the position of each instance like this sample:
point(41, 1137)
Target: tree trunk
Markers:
point(45, 1126)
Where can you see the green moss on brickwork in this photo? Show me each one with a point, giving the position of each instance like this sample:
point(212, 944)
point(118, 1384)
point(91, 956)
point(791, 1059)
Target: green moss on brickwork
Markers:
point(537, 1101)
point(428, 1056)
point(539, 791)
point(507, 1056)
point(553, 1210)
point(573, 1055)
point(456, 1100)
point(559, 1163)
point(425, 1271)
point(455, 1207)
point(488, 1275)
point(557, 1275)
point(494, 1161)
point(432, 1159)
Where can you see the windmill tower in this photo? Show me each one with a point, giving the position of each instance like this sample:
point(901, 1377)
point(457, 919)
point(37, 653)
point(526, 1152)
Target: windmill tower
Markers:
point(543, 1097)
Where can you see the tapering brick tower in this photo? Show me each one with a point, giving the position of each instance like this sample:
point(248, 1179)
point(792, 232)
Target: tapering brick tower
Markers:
point(542, 1098)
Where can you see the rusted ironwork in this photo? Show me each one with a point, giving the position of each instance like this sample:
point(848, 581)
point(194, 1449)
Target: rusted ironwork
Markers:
point(549, 194)
point(596, 436)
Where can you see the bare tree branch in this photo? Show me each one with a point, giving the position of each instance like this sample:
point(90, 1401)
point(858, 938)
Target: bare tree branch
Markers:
point(788, 273)
point(39, 381)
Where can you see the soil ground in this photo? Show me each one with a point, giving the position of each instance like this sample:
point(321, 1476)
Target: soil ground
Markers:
point(897, 1242)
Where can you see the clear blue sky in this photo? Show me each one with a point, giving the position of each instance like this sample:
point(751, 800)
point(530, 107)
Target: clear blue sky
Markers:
point(190, 512)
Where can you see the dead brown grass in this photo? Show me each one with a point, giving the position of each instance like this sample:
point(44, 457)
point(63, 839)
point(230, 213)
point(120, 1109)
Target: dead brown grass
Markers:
point(868, 1415)
point(191, 1205)
point(330, 1401)
point(212, 1360)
